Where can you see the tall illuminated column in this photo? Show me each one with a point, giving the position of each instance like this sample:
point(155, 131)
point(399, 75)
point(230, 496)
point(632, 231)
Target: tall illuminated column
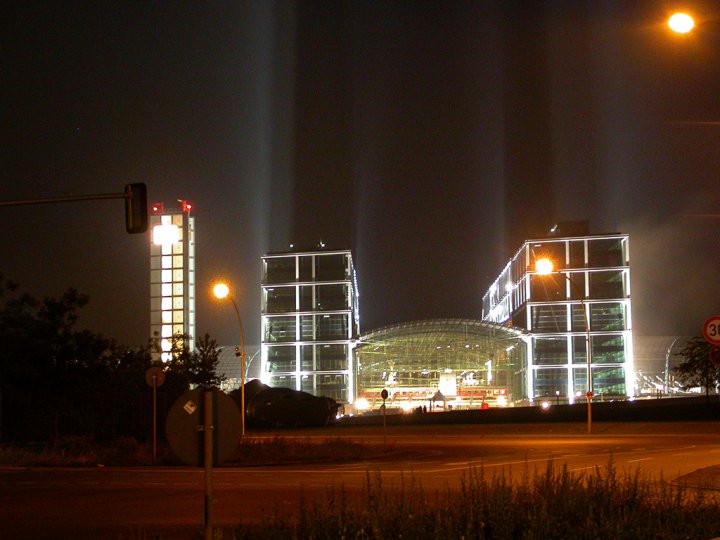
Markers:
point(172, 276)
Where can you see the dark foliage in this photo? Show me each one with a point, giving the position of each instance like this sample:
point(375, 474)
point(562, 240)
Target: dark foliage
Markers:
point(57, 380)
point(696, 368)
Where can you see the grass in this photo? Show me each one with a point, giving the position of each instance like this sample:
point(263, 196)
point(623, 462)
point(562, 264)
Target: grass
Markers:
point(551, 504)
point(85, 452)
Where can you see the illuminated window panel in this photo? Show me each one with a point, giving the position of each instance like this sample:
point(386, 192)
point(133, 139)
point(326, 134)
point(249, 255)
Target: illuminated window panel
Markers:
point(166, 276)
point(167, 317)
point(166, 304)
point(177, 249)
point(177, 275)
point(178, 329)
point(165, 345)
point(177, 261)
point(166, 331)
point(177, 289)
point(167, 261)
point(177, 302)
point(177, 316)
point(167, 289)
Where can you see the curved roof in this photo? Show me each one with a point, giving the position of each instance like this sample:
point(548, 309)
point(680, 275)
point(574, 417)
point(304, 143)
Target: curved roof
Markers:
point(432, 328)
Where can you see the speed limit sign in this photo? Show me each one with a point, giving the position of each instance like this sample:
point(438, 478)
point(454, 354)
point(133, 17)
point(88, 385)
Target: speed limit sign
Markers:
point(711, 330)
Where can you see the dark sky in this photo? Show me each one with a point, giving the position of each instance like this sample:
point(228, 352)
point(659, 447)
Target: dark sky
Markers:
point(431, 138)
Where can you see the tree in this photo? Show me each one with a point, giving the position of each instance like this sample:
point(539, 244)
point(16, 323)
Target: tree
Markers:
point(198, 367)
point(696, 369)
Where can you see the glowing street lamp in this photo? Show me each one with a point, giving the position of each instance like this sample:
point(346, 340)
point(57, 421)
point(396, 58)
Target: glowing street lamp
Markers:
point(221, 292)
point(681, 23)
point(546, 267)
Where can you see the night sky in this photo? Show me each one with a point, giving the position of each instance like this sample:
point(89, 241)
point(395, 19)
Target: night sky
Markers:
point(431, 138)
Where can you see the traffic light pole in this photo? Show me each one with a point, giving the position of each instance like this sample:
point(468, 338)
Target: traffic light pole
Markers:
point(135, 196)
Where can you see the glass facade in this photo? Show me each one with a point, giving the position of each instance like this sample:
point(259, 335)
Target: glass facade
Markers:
point(172, 279)
point(469, 362)
point(585, 299)
point(310, 322)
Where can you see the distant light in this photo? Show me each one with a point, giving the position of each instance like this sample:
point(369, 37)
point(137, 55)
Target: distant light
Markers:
point(681, 23)
point(164, 235)
point(544, 266)
point(501, 401)
point(545, 405)
point(362, 404)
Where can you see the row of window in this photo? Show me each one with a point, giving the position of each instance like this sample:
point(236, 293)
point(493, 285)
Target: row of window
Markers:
point(315, 267)
point(603, 317)
point(326, 297)
point(306, 328)
point(282, 358)
point(556, 382)
point(555, 351)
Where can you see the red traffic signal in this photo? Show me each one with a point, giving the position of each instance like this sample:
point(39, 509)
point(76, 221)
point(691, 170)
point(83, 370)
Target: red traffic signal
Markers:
point(136, 218)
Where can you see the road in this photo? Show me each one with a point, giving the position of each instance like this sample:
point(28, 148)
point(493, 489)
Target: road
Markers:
point(140, 501)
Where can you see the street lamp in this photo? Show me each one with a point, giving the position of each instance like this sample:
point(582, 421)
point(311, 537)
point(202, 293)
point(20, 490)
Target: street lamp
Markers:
point(221, 292)
point(545, 267)
point(681, 23)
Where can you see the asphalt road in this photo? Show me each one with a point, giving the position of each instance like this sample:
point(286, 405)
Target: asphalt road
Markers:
point(139, 502)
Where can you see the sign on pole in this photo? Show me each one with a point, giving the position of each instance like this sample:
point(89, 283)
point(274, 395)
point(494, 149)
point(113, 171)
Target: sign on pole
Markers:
point(711, 330)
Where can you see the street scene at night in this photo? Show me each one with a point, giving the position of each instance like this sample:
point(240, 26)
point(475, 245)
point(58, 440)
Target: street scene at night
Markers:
point(339, 268)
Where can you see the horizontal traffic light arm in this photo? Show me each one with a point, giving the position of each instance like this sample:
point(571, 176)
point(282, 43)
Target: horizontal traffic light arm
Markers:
point(135, 196)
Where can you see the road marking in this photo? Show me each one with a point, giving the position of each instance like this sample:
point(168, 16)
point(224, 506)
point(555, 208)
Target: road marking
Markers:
point(636, 460)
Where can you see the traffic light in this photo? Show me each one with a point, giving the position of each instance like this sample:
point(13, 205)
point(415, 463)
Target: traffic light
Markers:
point(136, 218)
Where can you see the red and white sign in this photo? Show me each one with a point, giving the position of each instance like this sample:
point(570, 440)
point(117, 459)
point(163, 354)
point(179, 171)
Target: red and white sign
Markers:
point(711, 330)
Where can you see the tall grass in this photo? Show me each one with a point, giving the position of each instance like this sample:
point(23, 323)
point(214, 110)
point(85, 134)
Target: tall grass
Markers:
point(549, 504)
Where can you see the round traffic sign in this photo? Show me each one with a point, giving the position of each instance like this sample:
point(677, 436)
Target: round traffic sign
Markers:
point(384, 394)
point(711, 330)
point(155, 376)
point(589, 394)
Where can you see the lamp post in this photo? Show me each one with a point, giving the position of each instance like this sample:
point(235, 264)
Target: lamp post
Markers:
point(222, 291)
point(545, 267)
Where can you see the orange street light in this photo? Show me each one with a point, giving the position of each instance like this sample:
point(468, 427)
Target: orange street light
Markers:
point(222, 291)
point(545, 267)
point(681, 23)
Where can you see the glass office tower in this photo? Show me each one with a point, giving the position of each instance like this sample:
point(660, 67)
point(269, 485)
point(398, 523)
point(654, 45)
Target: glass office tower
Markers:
point(310, 322)
point(586, 296)
point(172, 277)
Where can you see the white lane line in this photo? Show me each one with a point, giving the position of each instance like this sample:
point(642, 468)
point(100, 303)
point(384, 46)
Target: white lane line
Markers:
point(636, 460)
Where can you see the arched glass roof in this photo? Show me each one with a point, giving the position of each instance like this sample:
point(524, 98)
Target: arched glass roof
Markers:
point(466, 359)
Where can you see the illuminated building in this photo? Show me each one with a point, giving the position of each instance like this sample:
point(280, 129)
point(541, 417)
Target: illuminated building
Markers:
point(586, 296)
point(469, 362)
point(309, 322)
point(172, 277)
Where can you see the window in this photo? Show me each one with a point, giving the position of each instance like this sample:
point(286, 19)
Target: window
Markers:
point(609, 316)
point(332, 327)
point(331, 267)
point(609, 380)
point(549, 318)
point(283, 381)
point(579, 349)
point(332, 297)
point(280, 270)
point(577, 253)
point(280, 329)
point(608, 349)
point(550, 351)
point(605, 252)
point(606, 285)
point(547, 288)
point(281, 358)
point(280, 299)
point(331, 357)
point(548, 381)
point(555, 251)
